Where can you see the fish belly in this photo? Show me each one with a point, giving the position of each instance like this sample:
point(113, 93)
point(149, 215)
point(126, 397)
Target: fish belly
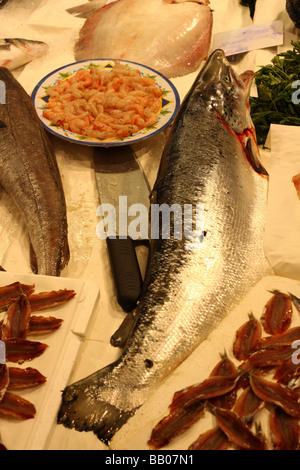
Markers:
point(172, 38)
point(30, 175)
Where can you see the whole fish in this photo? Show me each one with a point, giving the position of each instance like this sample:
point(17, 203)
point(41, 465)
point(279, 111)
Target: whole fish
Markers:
point(17, 52)
point(30, 175)
point(209, 160)
point(171, 36)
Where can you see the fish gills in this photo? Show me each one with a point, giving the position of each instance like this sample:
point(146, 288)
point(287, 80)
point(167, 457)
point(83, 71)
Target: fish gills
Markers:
point(188, 289)
point(30, 175)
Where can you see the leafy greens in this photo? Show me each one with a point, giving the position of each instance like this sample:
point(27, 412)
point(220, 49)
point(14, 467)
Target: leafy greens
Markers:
point(277, 83)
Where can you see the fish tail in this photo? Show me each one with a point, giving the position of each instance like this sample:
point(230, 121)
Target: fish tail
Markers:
point(84, 409)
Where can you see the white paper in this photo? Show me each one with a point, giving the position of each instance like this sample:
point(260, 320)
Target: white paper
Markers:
point(282, 232)
point(250, 38)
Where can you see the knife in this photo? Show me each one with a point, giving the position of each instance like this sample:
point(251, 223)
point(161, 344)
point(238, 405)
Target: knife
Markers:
point(119, 179)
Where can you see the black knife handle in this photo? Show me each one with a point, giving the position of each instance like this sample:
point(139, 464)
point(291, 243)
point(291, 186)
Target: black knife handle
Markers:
point(126, 271)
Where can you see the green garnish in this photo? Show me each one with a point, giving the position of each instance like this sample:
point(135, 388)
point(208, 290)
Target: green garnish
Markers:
point(249, 3)
point(278, 99)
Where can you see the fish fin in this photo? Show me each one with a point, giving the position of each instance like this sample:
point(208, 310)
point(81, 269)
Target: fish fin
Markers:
point(65, 257)
point(120, 337)
point(86, 9)
point(253, 155)
point(84, 45)
point(33, 259)
point(84, 410)
point(4, 45)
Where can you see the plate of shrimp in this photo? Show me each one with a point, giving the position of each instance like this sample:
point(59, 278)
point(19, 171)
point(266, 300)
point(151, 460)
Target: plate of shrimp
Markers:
point(105, 102)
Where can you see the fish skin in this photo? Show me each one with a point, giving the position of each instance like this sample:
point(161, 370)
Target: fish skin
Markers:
point(186, 292)
point(152, 33)
point(15, 52)
point(29, 174)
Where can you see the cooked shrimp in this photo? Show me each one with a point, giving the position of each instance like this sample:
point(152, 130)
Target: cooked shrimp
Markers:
point(104, 104)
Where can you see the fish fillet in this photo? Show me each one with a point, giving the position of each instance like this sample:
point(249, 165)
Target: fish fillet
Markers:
point(30, 175)
point(173, 37)
point(191, 282)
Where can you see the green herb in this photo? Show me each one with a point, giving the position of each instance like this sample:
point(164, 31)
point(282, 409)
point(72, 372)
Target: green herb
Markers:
point(64, 75)
point(249, 3)
point(277, 85)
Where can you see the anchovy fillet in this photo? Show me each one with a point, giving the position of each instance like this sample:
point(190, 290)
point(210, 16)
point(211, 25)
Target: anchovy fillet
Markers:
point(30, 175)
point(189, 288)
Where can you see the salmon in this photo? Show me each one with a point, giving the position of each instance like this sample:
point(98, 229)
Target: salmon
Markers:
point(30, 175)
point(191, 282)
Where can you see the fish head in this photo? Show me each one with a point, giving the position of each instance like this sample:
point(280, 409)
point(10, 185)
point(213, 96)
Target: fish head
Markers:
point(226, 93)
point(34, 49)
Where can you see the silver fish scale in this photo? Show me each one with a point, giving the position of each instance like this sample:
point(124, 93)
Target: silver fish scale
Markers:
point(186, 292)
point(189, 292)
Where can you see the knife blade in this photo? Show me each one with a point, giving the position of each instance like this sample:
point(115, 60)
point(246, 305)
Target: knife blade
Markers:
point(121, 183)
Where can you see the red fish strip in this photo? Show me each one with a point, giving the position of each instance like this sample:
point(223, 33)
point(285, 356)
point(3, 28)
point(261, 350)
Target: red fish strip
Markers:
point(286, 372)
point(277, 315)
point(267, 358)
point(247, 405)
point(13, 291)
point(246, 338)
point(21, 350)
point(17, 318)
point(24, 378)
point(214, 439)
point(4, 380)
point(237, 431)
point(51, 299)
point(225, 368)
point(42, 325)
point(17, 407)
point(276, 394)
point(209, 388)
point(284, 339)
point(284, 430)
point(174, 424)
